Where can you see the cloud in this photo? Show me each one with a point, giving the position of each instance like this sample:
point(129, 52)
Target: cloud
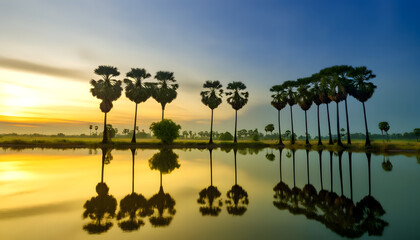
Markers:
point(27, 66)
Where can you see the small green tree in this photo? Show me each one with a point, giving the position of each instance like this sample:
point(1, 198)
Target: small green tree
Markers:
point(227, 136)
point(384, 126)
point(269, 128)
point(166, 130)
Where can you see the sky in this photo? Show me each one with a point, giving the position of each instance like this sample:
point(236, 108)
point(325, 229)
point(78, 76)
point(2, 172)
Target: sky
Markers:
point(49, 49)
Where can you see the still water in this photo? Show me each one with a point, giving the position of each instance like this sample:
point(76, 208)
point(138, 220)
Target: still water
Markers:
point(198, 194)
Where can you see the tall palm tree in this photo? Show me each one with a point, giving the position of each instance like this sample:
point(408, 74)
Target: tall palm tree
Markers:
point(323, 96)
point(304, 100)
point(164, 91)
point(291, 100)
point(212, 97)
point(107, 89)
point(316, 93)
point(336, 93)
point(137, 91)
point(362, 90)
point(237, 98)
point(279, 101)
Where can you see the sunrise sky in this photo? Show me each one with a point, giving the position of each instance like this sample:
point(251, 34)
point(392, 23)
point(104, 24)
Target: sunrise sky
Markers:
point(49, 49)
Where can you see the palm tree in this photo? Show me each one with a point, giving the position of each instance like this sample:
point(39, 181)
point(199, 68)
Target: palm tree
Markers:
point(164, 91)
point(362, 90)
point(209, 195)
point(212, 97)
point(324, 86)
point(291, 100)
point(316, 98)
point(90, 129)
point(137, 91)
point(336, 93)
point(96, 130)
point(107, 89)
point(237, 98)
point(237, 196)
point(279, 101)
point(304, 100)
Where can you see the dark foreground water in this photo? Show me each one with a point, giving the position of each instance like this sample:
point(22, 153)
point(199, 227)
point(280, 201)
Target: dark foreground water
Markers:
point(178, 194)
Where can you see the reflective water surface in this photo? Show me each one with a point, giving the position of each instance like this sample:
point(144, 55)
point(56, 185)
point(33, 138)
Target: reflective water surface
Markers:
point(207, 194)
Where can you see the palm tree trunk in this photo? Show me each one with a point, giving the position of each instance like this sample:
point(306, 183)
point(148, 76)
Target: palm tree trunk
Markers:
point(329, 126)
point(280, 140)
point(339, 143)
point(348, 125)
point(382, 132)
point(236, 121)
point(319, 126)
point(103, 165)
point(307, 164)
point(351, 177)
point(294, 178)
point(132, 172)
point(306, 128)
point(211, 167)
point(281, 178)
point(340, 155)
point(320, 168)
point(367, 144)
point(331, 170)
point(236, 173)
point(368, 157)
point(163, 111)
point(293, 132)
point(211, 128)
point(105, 136)
point(133, 140)
point(160, 179)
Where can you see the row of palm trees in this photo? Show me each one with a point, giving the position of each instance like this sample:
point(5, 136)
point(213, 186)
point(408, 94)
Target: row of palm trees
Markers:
point(334, 83)
point(109, 89)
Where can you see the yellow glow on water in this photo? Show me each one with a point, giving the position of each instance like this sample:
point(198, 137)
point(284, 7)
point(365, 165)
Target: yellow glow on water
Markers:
point(12, 171)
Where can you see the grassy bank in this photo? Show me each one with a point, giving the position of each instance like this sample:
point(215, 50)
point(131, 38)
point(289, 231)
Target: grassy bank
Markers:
point(405, 147)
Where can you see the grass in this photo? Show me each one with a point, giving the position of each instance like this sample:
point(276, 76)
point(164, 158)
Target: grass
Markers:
point(407, 147)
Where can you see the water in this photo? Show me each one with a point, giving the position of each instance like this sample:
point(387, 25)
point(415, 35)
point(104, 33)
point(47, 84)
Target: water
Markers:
point(56, 194)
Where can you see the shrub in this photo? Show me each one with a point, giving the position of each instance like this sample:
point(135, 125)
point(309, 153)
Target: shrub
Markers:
point(226, 136)
point(166, 130)
point(255, 137)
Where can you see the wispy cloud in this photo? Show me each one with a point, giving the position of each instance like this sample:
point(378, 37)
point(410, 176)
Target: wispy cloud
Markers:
point(32, 67)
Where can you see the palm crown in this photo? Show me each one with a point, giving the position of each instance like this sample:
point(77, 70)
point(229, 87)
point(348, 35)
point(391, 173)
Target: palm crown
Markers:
point(107, 89)
point(279, 98)
point(164, 90)
point(361, 89)
point(237, 98)
point(212, 96)
point(137, 91)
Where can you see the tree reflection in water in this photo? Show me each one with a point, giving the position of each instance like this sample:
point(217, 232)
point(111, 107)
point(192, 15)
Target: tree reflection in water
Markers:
point(209, 195)
point(237, 197)
point(133, 207)
point(165, 161)
point(339, 214)
point(100, 209)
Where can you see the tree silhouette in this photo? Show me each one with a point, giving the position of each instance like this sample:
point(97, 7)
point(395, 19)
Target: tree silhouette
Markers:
point(416, 132)
point(304, 100)
point(90, 129)
point(362, 90)
point(384, 126)
point(132, 207)
point(291, 100)
point(107, 89)
point(316, 98)
point(96, 130)
point(337, 91)
point(208, 196)
point(164, 91)
point(212, 97)
point(137, 91)
point(279, 101)
point(269, 128)
point(323, 96)
point(100, 209)
point(237, 98)
point(165, 161)
point(237, 197)
point(387, 165)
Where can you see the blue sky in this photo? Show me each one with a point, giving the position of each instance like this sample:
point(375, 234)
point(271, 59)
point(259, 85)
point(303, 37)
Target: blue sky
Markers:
point(261, 43)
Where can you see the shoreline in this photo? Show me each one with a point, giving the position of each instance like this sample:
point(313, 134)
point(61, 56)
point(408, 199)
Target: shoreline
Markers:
point(397, 148)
